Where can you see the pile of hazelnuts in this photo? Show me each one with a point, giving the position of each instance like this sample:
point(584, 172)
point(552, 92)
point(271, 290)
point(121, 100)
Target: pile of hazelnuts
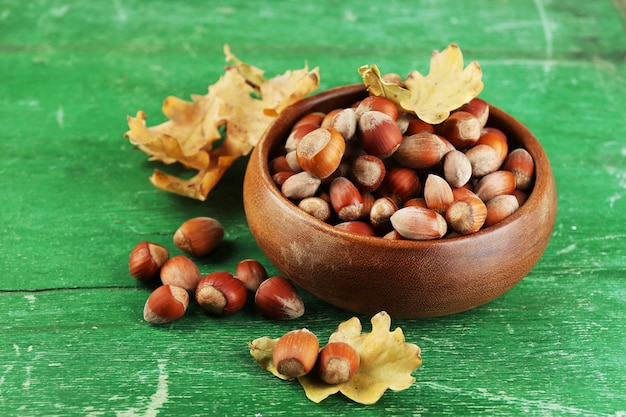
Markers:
point(379, 171)
point(219, 293)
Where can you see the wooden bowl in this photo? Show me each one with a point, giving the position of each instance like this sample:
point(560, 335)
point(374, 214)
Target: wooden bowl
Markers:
point(408, 279)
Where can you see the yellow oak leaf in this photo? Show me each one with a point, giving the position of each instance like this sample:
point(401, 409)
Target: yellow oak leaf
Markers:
point(386, 361)
point(379, 87)
point(209, 133)
point(261, 350)
point(446, 87)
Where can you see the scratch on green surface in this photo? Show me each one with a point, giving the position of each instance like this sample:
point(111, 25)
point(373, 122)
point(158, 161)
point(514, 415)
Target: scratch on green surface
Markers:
point(121, 15)
point(547, 34)
point(618, 173)
point(566, 249)
point(526, 405)
point(160, 397)
point(60, 117)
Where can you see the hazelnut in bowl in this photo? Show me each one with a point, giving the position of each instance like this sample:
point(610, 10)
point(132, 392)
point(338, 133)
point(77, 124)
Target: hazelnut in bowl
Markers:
point(398, 271)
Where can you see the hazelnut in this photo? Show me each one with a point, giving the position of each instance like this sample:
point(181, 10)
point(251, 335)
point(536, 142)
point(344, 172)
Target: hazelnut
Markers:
point(368, 203)
point(401, 184)
point(277, 298)
point(367, 172)
point(497, 141)
point(377, 103)
point(320, 152)
point(416, 202)
point(494, 130)
point(345, 122)
point(316, 207)
point(461, 193)
point(418, 126)
point(494, 184)
point(483, 159)
point(295, 353)
point(500, 207)
point(457, 169)
point(461, 128)
point(381, 212)
point(182, 272)
point(314, 118)
point(328, 118)
point(297, 133)
point(403, 122)
point(379, 133)
point(167, 303)
point(521, 196)
point(337, 363)
point(279, 164)
point(393, 235)
point(418, 223)
point(292, 161)
point(300, 185)
point(146, 259)
point(521, 164)
point(251, 273)
point(220, 293)
point(199, 236)
point(420, 151)
point(437, 193)
point(280, 177)
point(466, 215)
point(479, 108)
point(358, 227)
point(345, 198)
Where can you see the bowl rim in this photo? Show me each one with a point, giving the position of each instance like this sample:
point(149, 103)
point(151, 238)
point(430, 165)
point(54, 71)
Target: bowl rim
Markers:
point(543, 174)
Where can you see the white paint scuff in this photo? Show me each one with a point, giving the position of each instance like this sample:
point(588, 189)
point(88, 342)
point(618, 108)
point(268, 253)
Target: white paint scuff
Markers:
point(31, 300)
point(522, 403)
point(547, 34)
point(60, 117)
point(566, 249)
point(156, 401)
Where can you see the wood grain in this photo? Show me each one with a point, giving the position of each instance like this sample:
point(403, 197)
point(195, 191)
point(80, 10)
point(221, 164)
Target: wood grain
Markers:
point(75, 199)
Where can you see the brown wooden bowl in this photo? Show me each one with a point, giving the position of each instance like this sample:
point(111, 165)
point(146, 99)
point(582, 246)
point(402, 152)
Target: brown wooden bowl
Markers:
point(408, 279)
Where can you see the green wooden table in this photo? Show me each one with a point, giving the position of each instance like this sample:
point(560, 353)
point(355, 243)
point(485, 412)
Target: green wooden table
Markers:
point(75, 199)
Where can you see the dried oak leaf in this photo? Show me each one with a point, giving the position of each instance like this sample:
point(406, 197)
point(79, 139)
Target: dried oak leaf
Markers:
point(387, 362)
point(261, 350)
point(242, 103)
point(446, 87)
